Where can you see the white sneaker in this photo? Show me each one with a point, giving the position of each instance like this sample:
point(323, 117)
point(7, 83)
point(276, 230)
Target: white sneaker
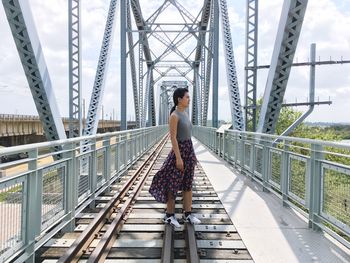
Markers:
point(172, 221)
point(191, 219)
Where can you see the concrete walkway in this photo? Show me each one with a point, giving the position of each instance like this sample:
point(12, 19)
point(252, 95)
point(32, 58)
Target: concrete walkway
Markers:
point(272, 233)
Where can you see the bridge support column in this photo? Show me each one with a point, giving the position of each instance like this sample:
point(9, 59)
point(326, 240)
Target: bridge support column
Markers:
point(265, 167)
point(315, 182)
point(70, 188)
point(284, 174)
point(93, 172)
point(107, 164)
point(32, 207)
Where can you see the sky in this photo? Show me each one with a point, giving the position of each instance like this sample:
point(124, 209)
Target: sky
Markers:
point(326, 24)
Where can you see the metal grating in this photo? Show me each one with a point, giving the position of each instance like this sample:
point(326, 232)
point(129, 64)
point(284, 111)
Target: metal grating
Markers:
point(275, 168)
point(52, 193)
point(101, 154)
point(247, 154)
point(258, 160)
point(336, 194)
point(11, 211)
point(113, 156)
point(297, 177)
point(84, 185)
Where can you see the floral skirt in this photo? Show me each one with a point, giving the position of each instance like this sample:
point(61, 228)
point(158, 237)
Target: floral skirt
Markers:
point(169, 178)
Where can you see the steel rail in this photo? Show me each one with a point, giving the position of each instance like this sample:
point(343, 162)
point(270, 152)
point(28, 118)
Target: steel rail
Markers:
point(191, 244)
point(80, 245)
point(102, 249)
point(168, 245)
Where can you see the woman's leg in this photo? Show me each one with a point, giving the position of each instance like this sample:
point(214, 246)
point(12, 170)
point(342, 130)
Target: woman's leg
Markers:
point(170, 205)
point(187, 202)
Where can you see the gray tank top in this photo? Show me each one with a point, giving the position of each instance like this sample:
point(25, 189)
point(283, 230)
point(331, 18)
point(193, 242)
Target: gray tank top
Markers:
point(184, 126)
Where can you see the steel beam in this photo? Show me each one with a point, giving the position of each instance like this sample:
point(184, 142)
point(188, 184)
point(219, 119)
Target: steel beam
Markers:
point(184, 13)
point(28, 45)
point(75, 100)
point(215, 106)
point(152, 110)
point(203, 63)
point(141, 25)
point(147, 97)
point(123, 93)
point(205, 98)
point(133, 65)
point(141, 81)
point(99, 83)
point(235, 100)
point(203, 24)
point(289, 28)
point(196, 96)
point(311, 94)
point(251, 54)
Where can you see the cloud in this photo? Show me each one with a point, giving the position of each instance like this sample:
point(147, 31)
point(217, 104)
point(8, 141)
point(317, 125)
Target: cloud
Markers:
point(326, 23)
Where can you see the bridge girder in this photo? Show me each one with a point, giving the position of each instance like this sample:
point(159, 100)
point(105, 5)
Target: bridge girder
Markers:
point(102, 66)
point(28, 45)
point(288, 33)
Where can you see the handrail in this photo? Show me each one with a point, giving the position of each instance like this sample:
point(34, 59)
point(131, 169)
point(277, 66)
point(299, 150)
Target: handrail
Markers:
point(312, 176)
point(40, 196)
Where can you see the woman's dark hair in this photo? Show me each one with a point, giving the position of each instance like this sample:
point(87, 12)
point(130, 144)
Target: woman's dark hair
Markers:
point(178, 93)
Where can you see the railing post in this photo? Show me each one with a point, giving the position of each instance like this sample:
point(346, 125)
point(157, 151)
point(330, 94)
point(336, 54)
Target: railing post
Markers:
point(128, 150)
point(242, 152)
point(284, 180)
point(117, 156)
point(236, 149)
point(71, 189)
point(139, 138)
point(315, 185)
point(134, 146)
point(107, 163)
point(93, 171)
point(265, 166)
point(252, 158)
point(32, 210)
point(225, 146)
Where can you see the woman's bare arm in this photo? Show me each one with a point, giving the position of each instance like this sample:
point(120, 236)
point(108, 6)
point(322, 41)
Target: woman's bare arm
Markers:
point(173, 131)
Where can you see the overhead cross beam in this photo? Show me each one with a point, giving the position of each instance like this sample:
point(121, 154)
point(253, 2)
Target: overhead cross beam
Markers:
point(289, 29)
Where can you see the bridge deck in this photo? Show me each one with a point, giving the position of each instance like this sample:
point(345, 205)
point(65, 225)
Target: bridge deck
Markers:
point(270, 231)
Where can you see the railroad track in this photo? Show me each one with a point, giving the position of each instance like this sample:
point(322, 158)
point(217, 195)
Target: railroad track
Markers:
point(125, 225)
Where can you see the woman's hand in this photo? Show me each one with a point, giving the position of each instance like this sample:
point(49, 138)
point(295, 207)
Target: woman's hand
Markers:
point(180, 165)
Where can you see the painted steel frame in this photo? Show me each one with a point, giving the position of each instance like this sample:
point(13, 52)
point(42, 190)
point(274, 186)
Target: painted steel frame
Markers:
point(289, 29)
point(102, 66)
point(28, 45)
point(74, 40)
point(251, 61)
point(232, 82)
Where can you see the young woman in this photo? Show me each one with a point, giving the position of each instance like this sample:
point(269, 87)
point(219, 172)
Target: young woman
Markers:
point(177, 170)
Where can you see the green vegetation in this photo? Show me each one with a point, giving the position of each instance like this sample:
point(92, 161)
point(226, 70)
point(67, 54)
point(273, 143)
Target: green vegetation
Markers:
point(333, 132)
point(336, 184)
point(12, 195)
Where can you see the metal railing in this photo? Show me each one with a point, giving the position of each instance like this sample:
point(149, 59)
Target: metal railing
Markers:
point(41, 194)
point(311, 176)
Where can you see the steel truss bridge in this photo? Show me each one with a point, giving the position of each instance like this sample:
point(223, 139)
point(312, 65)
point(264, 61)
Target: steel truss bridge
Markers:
point(155, 50)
